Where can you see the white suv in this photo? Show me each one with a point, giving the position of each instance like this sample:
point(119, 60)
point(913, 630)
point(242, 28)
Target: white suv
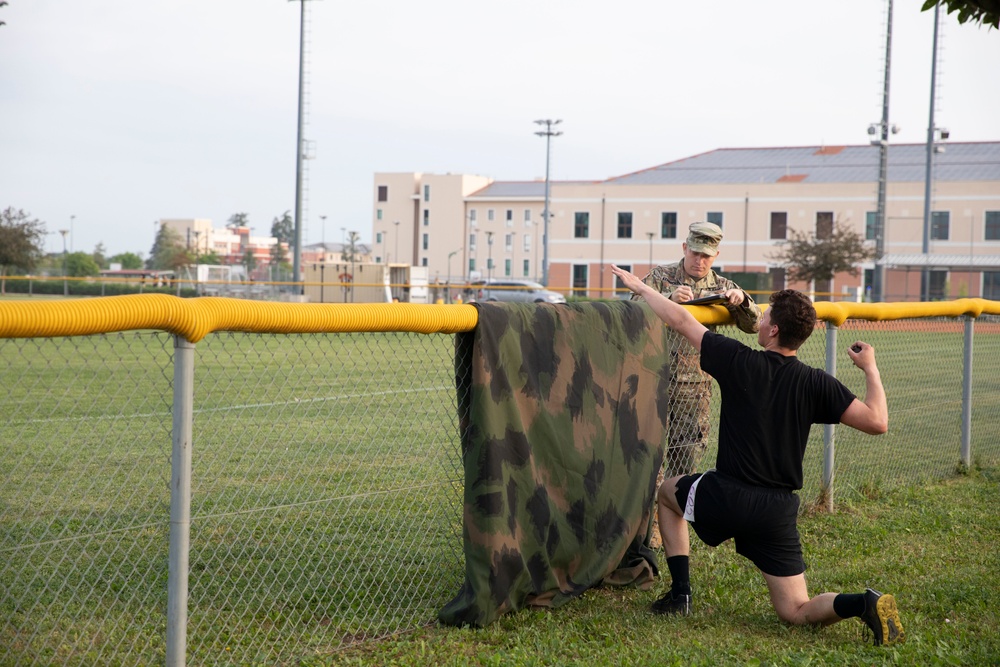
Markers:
point(514, 290)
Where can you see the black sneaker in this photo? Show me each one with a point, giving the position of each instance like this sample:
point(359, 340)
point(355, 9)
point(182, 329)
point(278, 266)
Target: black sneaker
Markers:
point(670, 603)
point(882, 618)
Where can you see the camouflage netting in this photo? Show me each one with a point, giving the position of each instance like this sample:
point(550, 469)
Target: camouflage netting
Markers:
point(562, 438)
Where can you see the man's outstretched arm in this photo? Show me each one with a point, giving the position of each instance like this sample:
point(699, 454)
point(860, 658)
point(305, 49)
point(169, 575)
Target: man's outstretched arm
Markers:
point(676, 316)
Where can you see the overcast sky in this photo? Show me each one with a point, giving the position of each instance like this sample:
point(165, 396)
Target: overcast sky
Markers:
point(121, 112)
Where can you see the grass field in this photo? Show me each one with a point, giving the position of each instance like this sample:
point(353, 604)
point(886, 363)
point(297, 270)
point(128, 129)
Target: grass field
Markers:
point(326, 506)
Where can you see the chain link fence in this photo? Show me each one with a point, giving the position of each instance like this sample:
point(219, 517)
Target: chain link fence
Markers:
point(326, 481)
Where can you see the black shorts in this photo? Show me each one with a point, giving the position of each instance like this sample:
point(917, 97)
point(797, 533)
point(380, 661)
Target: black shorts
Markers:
point(761, 521)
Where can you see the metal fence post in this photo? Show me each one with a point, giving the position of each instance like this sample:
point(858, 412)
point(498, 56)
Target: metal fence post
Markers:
point(826, 490)
point(967, 394)
point(180, 502)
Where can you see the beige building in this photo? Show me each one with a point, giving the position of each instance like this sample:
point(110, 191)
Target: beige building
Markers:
point(230, 244)
point(470, 227)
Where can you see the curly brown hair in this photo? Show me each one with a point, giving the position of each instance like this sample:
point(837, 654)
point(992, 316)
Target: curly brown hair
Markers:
point(794, 315)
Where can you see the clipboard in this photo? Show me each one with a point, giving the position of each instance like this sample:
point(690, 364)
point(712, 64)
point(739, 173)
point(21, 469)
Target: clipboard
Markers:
point(707, 300)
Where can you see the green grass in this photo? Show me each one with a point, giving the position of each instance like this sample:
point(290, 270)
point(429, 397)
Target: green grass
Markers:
point(933, 547)
point(326, 509)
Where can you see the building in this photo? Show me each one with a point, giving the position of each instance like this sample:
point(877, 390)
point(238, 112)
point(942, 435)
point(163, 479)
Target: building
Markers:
point(466, 227)
point(230, 244)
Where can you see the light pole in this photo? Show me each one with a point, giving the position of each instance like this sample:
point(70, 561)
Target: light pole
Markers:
point(882, 128)
point(382, 235)
point(447, 294)
point(650, 235)
point(548, 134)
point(71, 219)
point(489, 261)
point(397, 239)
point(322, 224)
point(925, 287)
point(64, 232)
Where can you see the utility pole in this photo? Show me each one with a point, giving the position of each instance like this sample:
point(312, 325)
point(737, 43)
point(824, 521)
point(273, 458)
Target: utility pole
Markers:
point(299, 154)
point(548, 134)
point(878, 283)
point(925, 287)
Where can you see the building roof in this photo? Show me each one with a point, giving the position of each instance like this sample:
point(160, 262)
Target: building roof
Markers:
point(518, 189)
point(979, 161)
point(948, 262)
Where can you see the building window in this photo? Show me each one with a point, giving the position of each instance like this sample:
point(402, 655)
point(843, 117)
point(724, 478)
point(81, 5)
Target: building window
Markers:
point(581, 225)
point(527, 216)
point(506, 267)
point(940, 221)
point(777, 278)
point(472, 264)
point(427, 193)
point(508, 242)
point(991, 285)
point(526, 243)
point(426, 241)
point(427, 217)
point(624, 225)
point(472, 217)
point(714, 217)
point(383, 193)
point(423, 262)
point(779, 225)
point(378, 237)
point(622, 292)
point(490, 215)
point(527, 269)
point(936, 284)
point(510, 217)
point(992, 231)
point(870, 218)
point(824, 224)
point(579, 279)
point(668, 225)
point(472, 242)
point(378, 214)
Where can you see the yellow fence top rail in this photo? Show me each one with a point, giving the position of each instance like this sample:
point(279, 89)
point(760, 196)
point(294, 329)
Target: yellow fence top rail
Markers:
point(193, 319)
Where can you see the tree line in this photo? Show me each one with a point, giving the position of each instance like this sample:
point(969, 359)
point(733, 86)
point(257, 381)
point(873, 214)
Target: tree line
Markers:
point(22, 240)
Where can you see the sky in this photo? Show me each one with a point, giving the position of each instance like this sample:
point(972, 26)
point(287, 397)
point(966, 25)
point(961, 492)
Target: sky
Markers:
point(116, 113)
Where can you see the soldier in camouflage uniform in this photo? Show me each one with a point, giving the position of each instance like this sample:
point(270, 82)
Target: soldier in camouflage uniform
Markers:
point(690, 387)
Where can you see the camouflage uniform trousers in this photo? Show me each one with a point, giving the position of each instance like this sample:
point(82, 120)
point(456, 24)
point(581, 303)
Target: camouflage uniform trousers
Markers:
point(687, 436)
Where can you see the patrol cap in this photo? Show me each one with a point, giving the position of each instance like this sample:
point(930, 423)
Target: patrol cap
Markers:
point(704, 237)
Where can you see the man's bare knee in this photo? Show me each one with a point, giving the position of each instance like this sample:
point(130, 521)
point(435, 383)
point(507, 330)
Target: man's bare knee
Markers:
point(666, 495)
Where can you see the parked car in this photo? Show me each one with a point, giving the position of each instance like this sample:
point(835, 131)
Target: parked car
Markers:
point(514, 290)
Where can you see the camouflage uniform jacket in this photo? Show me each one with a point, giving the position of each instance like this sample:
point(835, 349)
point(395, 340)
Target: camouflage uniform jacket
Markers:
point(686, 366)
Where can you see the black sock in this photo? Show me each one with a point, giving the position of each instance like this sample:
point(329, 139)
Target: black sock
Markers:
point(848, 605)
point(678, 566)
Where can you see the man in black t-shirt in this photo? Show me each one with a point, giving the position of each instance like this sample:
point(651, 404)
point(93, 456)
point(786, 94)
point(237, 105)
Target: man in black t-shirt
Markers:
point(770, 400)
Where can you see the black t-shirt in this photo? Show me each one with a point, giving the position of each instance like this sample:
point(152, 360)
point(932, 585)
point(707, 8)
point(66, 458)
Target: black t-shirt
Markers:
point(769, 402)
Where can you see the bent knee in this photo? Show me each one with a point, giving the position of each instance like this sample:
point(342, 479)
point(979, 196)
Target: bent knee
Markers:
point(666, 494)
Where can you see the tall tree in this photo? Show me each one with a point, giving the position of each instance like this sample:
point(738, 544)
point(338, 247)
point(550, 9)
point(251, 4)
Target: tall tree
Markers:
point(983, 12)
point(98, 256)
point(128, 260)
point(238, 220)
point(81, 264)
point(21, 238)
point(350, 253)
point(249, 261)
point(168, 251)
point(279, 256)
point(808, 258)
point(283, 228)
